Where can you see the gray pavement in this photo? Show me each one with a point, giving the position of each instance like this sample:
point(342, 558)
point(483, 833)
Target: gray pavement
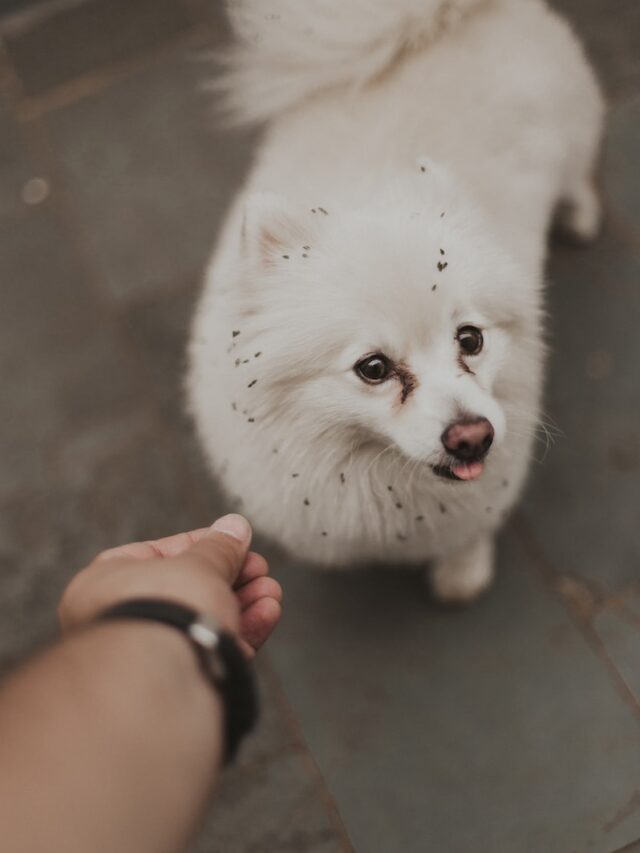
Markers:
point(513, 727)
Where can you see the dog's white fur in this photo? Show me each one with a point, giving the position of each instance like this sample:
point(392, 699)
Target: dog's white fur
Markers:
point(397, 131)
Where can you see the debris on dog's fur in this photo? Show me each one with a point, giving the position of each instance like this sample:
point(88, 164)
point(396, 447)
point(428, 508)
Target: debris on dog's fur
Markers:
point(313, 210)
point(251, 420)
point(235, 333)
point(390, 488)
point(275, 450)
point(342, 478)
point(443, 508)
point(304, 255)
point(398, 505)
point(419, 517)
point(306, 502)
point(295, 475)
point(257, 354)
point(234, 406)
point(237, 362)
point(434, 287)
point(322, 210)
point(245, 412)
point(442, 266)
point(306, 248)
point(324, 533)
point(245, 361)
point(286, 257)
point(423, 168)
point(252, 383)
point(442, 251)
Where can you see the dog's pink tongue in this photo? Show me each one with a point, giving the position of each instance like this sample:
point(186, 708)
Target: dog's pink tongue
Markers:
point(468, 472)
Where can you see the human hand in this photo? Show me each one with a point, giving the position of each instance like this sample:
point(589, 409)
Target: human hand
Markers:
point(210, 570)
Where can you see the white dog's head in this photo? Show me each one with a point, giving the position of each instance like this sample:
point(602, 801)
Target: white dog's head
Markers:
point(400, 323)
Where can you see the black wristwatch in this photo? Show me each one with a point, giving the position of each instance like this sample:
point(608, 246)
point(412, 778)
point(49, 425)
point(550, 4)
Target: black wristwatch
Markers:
point(220, 658)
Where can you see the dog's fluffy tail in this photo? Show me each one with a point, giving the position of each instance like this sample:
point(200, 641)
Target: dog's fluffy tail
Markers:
point(287, 50)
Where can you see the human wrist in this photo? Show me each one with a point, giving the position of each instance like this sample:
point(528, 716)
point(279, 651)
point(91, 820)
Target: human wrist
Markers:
point(220, 657)
point(122, 718)
point(153, 666)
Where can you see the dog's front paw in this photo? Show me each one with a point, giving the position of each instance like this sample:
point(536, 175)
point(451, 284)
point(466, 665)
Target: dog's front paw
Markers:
point(462, 578)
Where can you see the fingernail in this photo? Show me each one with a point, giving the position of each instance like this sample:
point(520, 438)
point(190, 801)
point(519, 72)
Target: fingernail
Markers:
point(233, 525)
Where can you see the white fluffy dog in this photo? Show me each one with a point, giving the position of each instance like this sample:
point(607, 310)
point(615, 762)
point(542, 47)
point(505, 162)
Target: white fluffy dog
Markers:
point(367, 359)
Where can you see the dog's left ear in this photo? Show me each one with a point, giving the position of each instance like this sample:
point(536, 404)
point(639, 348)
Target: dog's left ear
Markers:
point(272, 230)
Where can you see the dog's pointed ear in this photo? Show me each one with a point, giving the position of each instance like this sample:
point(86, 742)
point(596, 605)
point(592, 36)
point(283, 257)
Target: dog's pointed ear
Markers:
point(272, 229)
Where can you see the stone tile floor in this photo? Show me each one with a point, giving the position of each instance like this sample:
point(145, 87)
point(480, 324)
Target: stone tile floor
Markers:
point(389, 726)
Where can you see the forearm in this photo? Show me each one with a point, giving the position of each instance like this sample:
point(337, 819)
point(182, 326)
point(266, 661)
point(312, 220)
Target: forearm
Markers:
point(109, 741)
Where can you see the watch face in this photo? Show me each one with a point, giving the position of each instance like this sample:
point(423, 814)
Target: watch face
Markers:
point(204, 632)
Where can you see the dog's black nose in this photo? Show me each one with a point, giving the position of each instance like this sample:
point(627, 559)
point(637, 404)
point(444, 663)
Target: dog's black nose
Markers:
point(469, 439)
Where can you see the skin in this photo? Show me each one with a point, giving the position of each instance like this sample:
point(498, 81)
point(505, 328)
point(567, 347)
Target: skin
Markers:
point(112, 737)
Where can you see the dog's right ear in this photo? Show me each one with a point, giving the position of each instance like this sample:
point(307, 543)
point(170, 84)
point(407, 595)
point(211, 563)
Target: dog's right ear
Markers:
point(271, 231)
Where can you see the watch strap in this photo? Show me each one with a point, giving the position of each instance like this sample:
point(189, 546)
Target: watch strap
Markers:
point(219, 655)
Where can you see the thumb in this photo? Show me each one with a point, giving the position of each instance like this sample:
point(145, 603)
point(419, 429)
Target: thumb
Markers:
point(225, 546)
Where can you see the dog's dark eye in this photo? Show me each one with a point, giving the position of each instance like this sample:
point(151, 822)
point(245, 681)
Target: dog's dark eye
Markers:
point(374, 368)
point(470, 340)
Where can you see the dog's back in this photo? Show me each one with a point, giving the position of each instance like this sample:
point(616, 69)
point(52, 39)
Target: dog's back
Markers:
point(355, 92)
point(288, 50)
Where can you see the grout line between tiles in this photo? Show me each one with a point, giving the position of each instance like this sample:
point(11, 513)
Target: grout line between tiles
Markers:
point(22, 20)
point(634, 847)
point(580, 605)
point(292, 723)
point(31, 107)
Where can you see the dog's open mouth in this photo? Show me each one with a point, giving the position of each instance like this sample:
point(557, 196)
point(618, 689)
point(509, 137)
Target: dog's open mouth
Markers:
point(461, 471)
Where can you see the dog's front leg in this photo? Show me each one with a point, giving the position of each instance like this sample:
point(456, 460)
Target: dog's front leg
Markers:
point(463, 576)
